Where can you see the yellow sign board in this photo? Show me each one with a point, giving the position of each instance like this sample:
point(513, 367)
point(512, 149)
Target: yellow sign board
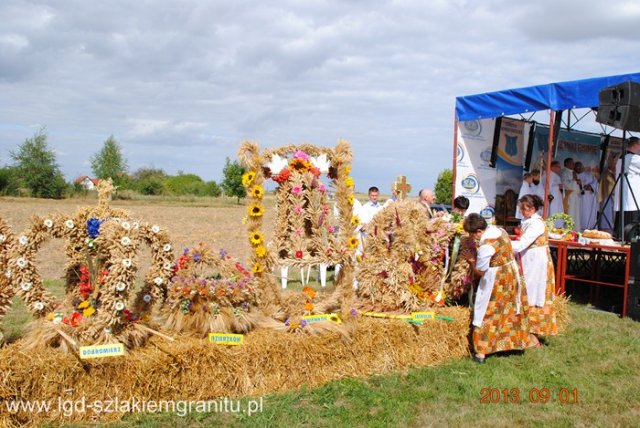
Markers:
point(226, 338)
point(310, 319)
point(101, 351)
point(421, 316)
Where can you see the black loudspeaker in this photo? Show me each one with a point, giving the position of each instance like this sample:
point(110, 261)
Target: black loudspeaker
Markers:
point(622, 117)
point(622, 94)
point(620, 106)
point(633, 296)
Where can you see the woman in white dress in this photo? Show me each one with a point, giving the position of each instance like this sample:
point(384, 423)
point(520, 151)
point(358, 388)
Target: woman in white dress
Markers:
point(537, 266)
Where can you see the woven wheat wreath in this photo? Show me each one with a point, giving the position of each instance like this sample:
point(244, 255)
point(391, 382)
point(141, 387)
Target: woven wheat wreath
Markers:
point(566, 218)
point(100, 274)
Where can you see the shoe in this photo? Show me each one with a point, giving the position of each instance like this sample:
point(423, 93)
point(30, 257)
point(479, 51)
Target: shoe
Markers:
point(477, 359)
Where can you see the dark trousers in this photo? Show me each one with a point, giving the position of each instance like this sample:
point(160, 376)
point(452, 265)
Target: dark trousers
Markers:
point(630, 217)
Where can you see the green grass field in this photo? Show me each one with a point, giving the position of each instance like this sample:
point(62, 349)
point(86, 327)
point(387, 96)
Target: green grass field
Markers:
point(598, 358)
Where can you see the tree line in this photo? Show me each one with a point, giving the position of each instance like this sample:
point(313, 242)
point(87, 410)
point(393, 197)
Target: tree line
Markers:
point(35, 172)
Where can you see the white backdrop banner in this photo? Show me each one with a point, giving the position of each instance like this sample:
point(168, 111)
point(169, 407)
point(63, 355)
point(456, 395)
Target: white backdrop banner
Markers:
point(475, 179)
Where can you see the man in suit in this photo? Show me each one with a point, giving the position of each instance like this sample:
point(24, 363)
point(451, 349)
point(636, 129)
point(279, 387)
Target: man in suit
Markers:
point(425, 200)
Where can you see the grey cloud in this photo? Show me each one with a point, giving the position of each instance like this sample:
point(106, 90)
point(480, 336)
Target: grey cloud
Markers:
point(180, 84)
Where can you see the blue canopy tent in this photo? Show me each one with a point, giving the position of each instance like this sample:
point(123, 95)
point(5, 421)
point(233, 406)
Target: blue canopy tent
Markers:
point(553, 96)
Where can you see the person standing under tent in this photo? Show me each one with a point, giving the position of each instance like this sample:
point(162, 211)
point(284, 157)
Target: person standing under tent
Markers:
point(537, 185)
point(606, 196)
point(537, 265)
point(555, 190)
point(632, 189)
point(525, 189)
point(499, 312)
point(571, 192)
point(588, 197)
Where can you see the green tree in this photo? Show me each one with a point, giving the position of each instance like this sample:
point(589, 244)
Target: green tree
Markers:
point(232, 182)
point(211, 188)
point(110, 163)
point(36, 168)
point(444, 187)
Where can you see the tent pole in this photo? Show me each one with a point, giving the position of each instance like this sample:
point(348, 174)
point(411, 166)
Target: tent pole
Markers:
point(547, 178)
point(455, 157)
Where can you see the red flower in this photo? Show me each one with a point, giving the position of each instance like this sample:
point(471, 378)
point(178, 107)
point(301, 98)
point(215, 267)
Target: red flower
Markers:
point(315, 171)
point(282, 176)
point(299, 254)
point(74, 321)
point(85, 286)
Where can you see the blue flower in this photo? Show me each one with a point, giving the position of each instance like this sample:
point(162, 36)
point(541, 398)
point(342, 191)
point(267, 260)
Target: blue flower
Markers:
point(223, 253)
point(197, 257)
point(93, 227)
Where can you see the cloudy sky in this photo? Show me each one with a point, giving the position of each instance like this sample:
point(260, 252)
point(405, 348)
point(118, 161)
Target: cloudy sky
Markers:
point(181, 83)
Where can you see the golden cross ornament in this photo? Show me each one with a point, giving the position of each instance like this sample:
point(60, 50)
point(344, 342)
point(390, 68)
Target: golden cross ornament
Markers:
point(401, 187)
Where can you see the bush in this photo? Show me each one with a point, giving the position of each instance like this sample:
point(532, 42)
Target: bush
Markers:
point(185, 184)
point(150, 186)
point(211, 188)
point(9, 184)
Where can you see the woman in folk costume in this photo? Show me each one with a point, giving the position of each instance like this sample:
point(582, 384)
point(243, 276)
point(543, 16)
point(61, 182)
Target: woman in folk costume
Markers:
point(499, 318)
point(538, 270)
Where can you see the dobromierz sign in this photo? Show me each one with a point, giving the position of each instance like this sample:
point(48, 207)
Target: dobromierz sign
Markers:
point(102, 351)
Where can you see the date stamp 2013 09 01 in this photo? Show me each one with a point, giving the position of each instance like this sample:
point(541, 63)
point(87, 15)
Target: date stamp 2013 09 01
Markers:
point(533, 395)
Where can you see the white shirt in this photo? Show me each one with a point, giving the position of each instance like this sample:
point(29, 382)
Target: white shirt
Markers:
point(632, 169)
point(486, 251)
point(533, 227)
point(567, 180)
point(368, 210)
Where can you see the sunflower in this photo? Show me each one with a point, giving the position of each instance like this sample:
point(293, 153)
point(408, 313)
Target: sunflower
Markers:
point(355, 220)
point(353, 243)
point(299, 165)
point(256, 238)
point(261, 251)
point(351, 199)
point(349, 182)
point(247, 178)
point(257, 268)
point(255, 210)
point(257, 192)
